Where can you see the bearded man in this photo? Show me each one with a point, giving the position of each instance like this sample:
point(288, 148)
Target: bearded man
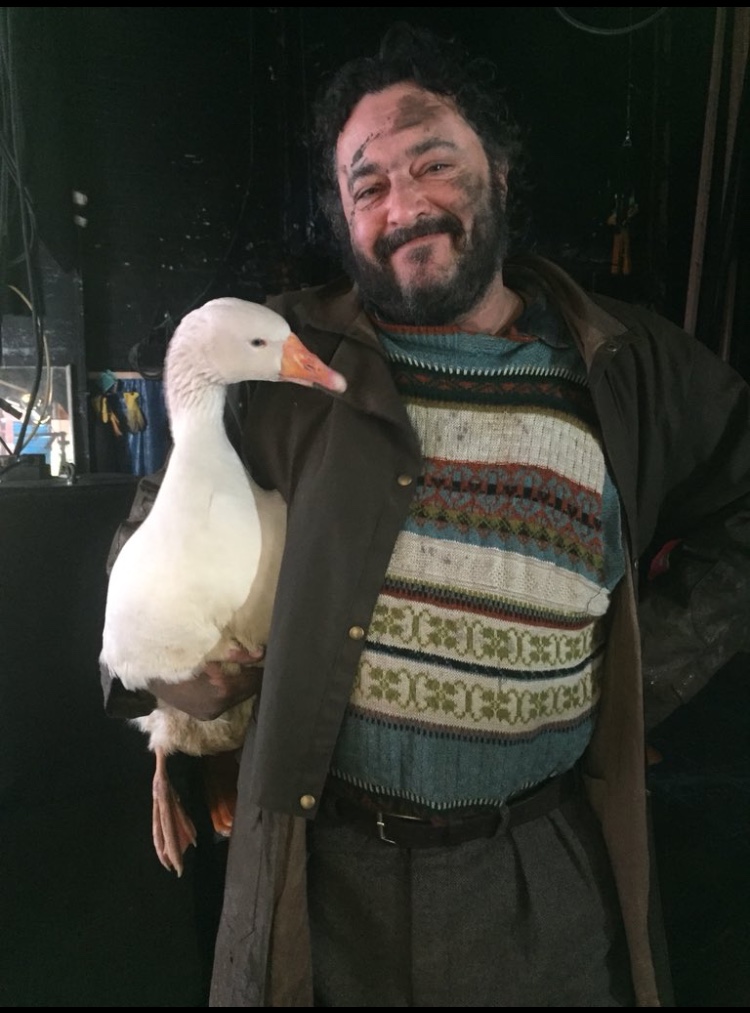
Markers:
point(442, 801)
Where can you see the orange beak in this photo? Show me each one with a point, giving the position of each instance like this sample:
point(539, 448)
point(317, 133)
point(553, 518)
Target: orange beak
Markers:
point(298, 365)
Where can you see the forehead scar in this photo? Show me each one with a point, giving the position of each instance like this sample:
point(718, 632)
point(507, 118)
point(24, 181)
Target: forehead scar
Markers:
point(359, 153)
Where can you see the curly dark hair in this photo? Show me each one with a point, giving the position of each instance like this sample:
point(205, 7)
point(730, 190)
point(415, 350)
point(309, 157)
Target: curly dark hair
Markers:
point(441, 66)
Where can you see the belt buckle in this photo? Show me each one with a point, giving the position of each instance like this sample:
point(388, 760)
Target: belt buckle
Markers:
point(380, 823)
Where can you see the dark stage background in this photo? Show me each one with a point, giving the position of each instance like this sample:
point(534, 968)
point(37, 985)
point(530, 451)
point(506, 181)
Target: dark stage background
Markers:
point(185, 129)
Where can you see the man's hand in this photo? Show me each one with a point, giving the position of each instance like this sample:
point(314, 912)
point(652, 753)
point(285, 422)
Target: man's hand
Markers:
point(217, 688)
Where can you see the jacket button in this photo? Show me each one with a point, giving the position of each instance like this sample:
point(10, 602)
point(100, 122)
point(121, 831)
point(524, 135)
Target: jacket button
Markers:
point(404, 480)
point(307, 801)
point(356, 633)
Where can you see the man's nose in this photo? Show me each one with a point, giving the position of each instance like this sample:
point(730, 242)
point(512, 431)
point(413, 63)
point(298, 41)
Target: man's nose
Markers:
point(406, 202)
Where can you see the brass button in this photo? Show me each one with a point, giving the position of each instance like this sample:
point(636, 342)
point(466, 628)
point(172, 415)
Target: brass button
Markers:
point(404, 480)
point(356, 632)
point(307, 801)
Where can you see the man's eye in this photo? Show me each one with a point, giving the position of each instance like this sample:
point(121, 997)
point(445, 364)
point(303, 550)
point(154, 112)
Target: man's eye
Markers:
point(436, 166)
point(365, 194)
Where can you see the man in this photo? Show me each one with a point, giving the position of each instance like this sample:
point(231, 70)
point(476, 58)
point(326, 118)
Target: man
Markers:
point(455, 649)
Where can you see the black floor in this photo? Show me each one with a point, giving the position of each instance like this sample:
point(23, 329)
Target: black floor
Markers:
point(701, 806)
point(90, 919)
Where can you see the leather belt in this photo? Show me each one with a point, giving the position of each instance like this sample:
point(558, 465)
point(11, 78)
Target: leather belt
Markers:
point(413, 832)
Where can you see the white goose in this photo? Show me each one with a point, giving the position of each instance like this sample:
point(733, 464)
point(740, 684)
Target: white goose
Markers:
point(199, 576)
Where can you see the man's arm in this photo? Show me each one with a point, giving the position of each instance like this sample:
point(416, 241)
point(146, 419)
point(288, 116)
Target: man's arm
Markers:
point(694, 619)
point(696, 616)
point(214, 690)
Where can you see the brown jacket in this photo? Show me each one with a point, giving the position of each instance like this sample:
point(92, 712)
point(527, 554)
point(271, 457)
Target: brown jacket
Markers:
point(674, 423)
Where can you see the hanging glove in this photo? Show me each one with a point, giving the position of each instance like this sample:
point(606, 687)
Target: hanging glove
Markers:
point(103, 408)
point(133, 415)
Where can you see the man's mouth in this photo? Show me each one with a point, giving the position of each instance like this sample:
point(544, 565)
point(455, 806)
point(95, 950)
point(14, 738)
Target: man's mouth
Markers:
point(418, 248)
point(386, 246)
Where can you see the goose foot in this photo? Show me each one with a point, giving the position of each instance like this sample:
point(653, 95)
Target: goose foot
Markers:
point(220, 782)
point(172, 829)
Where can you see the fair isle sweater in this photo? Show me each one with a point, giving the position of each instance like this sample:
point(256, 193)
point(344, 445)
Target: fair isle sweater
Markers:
point(480, 673)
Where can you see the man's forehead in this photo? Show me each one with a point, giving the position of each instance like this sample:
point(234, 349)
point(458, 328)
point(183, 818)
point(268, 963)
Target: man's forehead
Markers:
point(388, 113)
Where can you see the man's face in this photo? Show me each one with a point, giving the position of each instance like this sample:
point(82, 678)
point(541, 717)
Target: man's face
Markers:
point(425, 214)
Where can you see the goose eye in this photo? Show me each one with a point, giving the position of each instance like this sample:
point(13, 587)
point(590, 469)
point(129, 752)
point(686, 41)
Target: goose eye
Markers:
point(258, 343)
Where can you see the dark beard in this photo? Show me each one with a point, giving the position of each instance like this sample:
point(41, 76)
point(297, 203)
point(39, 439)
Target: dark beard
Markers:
point(435, 303)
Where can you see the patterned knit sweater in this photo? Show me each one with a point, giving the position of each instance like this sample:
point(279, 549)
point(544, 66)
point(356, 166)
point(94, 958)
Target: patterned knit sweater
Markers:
point(480, 674)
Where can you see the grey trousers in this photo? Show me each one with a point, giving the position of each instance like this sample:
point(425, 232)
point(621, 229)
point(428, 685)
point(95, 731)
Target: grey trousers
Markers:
point(526, 918)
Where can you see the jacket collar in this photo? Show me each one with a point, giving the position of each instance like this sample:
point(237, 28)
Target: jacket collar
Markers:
point(336, 307)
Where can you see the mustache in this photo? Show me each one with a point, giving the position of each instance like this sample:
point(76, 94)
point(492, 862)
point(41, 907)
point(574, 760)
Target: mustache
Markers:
point(384, 246)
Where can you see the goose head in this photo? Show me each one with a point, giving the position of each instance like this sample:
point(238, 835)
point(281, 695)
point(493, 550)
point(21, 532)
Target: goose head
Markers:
point(229, 340)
